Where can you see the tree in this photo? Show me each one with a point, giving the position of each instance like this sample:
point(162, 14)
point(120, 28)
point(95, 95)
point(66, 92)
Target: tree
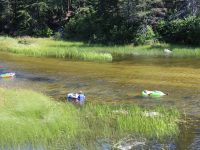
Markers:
point(5, 15)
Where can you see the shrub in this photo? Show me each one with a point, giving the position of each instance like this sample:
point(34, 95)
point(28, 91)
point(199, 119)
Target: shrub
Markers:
point(80, 27)
point(57, 36)
point(43, 32)
point(184, 31)
point(144, 34)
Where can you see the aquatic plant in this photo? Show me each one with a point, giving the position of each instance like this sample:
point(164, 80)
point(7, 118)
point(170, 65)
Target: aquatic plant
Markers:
point(47, 47)
point(27, 117)
point(39, 47)
point(118, 119)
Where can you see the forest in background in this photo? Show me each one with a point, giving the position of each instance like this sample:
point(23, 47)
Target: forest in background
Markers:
point(103, 21)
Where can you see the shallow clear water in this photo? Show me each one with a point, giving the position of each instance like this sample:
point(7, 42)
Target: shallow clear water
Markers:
point(120, 81)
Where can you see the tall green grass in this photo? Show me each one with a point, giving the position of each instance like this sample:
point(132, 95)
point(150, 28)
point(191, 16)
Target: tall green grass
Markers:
point(47, 47)
point(122, 119)
point(27, 117)
point(41, 47)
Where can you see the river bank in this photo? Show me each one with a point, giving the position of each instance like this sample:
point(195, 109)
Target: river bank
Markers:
point(33, 118)
point(48, 47)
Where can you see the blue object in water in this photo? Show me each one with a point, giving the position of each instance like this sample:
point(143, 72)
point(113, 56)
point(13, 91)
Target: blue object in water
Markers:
point(76, 96)
point(72, 96)
point(81, 98)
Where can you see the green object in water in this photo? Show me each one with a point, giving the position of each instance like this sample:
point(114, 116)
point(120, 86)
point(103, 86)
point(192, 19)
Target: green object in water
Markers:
point(155, 93)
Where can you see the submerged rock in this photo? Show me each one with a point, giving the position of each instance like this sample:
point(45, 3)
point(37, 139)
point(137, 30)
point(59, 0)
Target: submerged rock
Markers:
point(130, 143)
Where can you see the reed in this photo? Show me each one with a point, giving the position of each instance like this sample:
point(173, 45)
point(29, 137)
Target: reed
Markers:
point(27, 117)
point(47, 47)
point(118, 119)
point(41, 47)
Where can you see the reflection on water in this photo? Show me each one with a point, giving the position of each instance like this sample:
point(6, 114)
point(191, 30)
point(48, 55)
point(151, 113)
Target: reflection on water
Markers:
point(120, 81)
point(195, 144)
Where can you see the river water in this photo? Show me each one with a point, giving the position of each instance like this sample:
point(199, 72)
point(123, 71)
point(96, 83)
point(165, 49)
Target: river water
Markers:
point(119, 82)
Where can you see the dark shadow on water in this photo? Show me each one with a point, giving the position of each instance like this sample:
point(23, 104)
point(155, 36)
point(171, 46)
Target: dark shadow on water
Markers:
point(163, 61)
point(189, 139)
point(53, 92)
point(187, 97)
point(76, 85)
point(138, 97)
point(35, 78)
point(43, 79)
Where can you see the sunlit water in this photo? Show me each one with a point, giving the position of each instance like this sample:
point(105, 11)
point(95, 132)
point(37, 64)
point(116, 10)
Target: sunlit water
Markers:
point(120, 81)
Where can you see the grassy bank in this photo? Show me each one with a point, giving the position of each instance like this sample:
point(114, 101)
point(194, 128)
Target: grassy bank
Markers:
point(31, 118)
point(39, 47)
point(43, 47)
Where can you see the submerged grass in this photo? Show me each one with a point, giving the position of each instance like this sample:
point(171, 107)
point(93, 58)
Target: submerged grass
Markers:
point(27, 117)
point(47, 47)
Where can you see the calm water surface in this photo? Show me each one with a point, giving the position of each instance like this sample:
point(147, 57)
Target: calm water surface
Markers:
point(120, 81)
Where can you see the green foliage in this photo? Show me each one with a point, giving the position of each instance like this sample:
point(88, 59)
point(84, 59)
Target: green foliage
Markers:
point(95, 21)
point(185, 31)
point(81, 25)
point(144, 35)
point(25, 18)
point(105, 24)
point(45, 32)
point(57, 36)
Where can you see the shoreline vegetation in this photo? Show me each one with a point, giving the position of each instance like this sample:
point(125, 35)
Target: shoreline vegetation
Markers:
point(49, 47)
point(32, 118)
